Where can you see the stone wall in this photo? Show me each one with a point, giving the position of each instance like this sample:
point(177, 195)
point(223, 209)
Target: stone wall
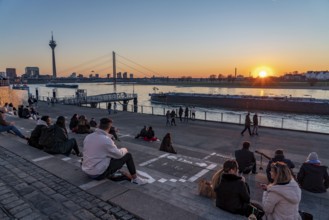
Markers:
point(17, 97)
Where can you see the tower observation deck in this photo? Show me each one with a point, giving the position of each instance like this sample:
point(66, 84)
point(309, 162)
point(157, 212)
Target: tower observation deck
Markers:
point(53, 44)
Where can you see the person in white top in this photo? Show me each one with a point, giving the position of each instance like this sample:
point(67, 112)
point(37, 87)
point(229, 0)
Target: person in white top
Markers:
point(102, 158)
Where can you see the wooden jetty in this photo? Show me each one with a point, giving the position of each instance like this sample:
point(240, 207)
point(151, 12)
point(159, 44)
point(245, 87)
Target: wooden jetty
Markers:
point(95, 100)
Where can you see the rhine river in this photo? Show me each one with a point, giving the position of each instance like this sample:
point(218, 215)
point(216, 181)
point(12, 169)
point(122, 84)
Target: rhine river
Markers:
point(273, 119)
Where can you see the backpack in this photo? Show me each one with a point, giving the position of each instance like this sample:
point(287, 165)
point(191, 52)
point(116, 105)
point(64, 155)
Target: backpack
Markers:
point(47, 137)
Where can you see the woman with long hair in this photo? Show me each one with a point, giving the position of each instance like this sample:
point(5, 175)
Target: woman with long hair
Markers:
point(74, 123)
point(166, 144)
point(62, 144)
point(281, 198)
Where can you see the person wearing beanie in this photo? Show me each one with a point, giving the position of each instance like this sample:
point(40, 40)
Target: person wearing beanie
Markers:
point(313, 176)
point(278, 157)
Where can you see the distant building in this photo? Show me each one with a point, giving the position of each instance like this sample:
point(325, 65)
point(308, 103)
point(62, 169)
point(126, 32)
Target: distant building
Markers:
point(125, 75)
point(119, 75)
point(31, 72)
point(319, 75)
point(131, 75)
point(11, 73)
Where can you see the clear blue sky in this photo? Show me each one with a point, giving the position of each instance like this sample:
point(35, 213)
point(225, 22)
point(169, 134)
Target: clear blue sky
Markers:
point(169, 37)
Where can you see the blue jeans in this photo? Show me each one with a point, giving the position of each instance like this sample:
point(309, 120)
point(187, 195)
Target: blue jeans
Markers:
point(11, 128)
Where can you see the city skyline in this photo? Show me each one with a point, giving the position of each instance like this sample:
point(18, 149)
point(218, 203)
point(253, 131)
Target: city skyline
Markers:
point(166, 38)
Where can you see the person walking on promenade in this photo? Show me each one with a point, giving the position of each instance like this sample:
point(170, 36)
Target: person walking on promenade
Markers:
point(9, 126)
point(180, 113)
point(109, 107)
point(186, 114)
point(282, 197)
point(42, 123)
point(102, 158)
point(166, 144)
point(232, 192)
point(115, 108)
point(255, 124)
point(61, 144)
point(168, 118)
point(173, 116)
point(246, 159)
point(313, 176)
point(278, 157)
point(247, 124)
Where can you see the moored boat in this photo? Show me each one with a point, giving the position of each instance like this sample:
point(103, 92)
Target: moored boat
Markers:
point(62, 85)
point(20, 87)
point(243, 102)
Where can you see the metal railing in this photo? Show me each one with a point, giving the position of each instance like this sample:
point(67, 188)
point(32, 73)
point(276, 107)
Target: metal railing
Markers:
point(298, 124)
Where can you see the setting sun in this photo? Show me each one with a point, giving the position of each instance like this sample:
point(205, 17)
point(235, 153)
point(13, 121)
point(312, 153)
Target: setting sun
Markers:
point(263, 71)
point(262, 74)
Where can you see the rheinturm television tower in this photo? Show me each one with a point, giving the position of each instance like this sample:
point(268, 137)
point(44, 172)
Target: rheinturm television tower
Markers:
point(53, 44)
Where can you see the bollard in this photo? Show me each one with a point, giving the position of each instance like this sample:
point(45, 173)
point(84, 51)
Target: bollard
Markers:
point(239, 119)
point(142, 109)
point(164, 111)
point(221, 117)
point(152, 111)
point(205, 116)
point(260, 121)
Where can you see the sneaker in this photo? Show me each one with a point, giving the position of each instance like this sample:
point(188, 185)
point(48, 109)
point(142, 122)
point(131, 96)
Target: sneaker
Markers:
point(139, 181)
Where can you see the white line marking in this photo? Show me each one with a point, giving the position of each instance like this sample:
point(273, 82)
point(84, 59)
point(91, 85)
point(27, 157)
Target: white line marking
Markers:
point(66, 158)
point(152, 160)
point(144, 174)
point(42, 158)
point(173, 180)
point(202, 172)
point(162, 180)
point(92, 184)
point(182, 180)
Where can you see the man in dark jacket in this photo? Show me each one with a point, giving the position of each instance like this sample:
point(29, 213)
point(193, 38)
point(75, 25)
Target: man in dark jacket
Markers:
point(278, 157)
point(232, 193)
point(246, 159)
point(142, 133)
point(247, 124)
point(312, 176)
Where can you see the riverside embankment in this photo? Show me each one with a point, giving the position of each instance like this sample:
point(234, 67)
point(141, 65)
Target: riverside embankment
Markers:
point(172, 192)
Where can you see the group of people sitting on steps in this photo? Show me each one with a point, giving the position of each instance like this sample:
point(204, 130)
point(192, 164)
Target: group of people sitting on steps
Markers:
point(101, 158)
point(282, 193)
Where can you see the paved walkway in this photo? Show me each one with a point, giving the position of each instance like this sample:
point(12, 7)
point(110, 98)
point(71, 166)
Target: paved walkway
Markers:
point(172, 193)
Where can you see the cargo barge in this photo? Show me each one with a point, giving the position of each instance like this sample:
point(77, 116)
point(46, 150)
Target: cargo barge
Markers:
point(244, 102)
point(62, 85)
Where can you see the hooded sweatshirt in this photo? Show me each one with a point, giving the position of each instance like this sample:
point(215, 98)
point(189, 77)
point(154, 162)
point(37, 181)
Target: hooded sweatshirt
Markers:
point(282, 201)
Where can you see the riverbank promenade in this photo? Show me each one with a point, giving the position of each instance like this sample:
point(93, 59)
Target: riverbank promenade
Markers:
point(37, 185)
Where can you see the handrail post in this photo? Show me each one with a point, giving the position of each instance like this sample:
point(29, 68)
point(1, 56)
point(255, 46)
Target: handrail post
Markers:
point(307, 124)
point(164, 111)
point(221, 116)
point(152, 111)
point(240, 119)
point(260, 120)
point(142, 109)
point(282, 123)
point(205, 115)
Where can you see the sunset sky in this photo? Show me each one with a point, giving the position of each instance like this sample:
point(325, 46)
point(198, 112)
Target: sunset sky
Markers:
point(166, 37)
